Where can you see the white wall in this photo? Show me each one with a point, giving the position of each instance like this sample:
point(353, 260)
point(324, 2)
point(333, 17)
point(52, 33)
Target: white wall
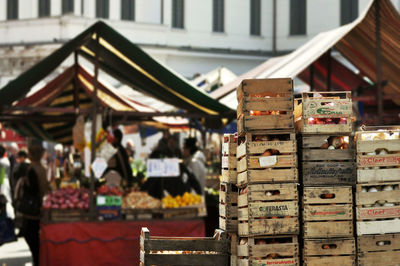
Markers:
point(55, 7)
point(148, 11)
point(115, 10)
point(3, 9)
point(28, 9)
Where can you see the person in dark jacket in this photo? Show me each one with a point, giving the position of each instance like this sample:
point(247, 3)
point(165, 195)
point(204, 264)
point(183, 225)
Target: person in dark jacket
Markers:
point(37, 185)
point(120, 160)
point(20, 169)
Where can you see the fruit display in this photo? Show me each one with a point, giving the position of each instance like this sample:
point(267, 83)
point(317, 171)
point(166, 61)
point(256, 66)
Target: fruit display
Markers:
point(187, 199)
point(140, 200)
point(67, 198)
point(105, 190)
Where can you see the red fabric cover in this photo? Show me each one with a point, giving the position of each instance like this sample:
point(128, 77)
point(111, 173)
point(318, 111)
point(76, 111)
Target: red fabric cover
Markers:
point(105, 243)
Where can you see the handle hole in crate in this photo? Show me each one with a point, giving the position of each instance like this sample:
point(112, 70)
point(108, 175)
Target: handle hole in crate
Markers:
point(270, 193)
point(383, 243)
point(327, 196)
point(329, 246)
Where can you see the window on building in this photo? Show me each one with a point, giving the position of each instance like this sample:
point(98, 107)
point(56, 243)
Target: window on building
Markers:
point(128, 9)
point(67, 6)
point(178, 14)
point(12, 9)
point(44, 8)
point(298, 17)
point(348, 11)
point(102, 8)
point(255, 17)
point(218, 15)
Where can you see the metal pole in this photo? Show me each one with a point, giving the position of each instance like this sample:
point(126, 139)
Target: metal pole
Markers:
point(329, 70)
point(76, 89)
point(378, 61)
point(274, 9)
point(94, 126)
point(311, 77)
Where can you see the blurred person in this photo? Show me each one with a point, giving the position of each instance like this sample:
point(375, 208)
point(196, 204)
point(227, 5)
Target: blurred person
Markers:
point(173, 147)
point(130, 150)
point(120, 160)
point(12, 150)
point(20, 168)
point(195, 161)
point(5, 188)
point(36, 185)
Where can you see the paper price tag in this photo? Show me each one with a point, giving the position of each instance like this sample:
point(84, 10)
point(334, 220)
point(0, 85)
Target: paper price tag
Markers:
point(101, 200)
point(266, 161)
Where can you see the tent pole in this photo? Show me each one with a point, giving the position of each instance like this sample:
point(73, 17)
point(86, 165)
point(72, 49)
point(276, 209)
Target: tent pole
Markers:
point(311, 77)
point(94, 126)
point(378, 61)
point(329, 70)
point(76, 89)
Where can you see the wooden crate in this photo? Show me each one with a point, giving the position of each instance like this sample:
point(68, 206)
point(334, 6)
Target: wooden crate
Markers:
point(265, 104)
point(381, 167)
point(329, 247)
point(371, 205)
point(333, 106)
point(341, 251)
point(327, 212)
point(249, 162)
point(278, 146)
point(378, 227)
point(264, 250)
point(229, 176)
point(268, 175)
point(155, 250)
point(322, 166)
point(229, 144)
point(266, 209)
point(228, 209)
point(379, 249)
point(330, 261)
point(229, 162)
point(68, 215)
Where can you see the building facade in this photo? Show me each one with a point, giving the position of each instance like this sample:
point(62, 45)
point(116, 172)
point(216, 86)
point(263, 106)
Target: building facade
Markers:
point(189, 36)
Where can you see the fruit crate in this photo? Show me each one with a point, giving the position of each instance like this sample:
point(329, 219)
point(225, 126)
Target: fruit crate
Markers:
point(265, 104)
point(273, 151)
point(268, 209)
point(375, 250)
point(155, 250)
point(233, 237)
point(378, 209)
point(341, 251)
point(324, 112)
point(378, 155)
point(68, 215)
point(228, 209)
point(271, 155)
point(327, 160)
point(268, 250)
point(327, 212)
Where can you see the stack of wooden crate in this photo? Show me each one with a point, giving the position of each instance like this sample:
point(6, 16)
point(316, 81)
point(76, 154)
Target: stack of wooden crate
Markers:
point(378, 196)
point(228, 193)
point(267, 174)
point(328, 177)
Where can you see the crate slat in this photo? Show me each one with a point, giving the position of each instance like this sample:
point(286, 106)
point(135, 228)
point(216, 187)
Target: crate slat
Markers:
point(316, 247)
point(268, 209)
point(337, 212)
point(378, 227)
point(328, 229)
point(328, 173)
point(284, 226)
point(373, 243)
point(387, 258)
point(268, 175)
point(312, 195)
point(229, 176)
point(268, 192)
point(329, 260)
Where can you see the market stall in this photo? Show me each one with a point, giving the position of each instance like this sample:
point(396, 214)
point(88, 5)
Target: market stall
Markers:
point(77, 99)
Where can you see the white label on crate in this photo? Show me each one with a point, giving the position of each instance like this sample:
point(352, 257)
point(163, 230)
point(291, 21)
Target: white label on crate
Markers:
point(101, 200)
point(268, 160)
point(225, 148)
